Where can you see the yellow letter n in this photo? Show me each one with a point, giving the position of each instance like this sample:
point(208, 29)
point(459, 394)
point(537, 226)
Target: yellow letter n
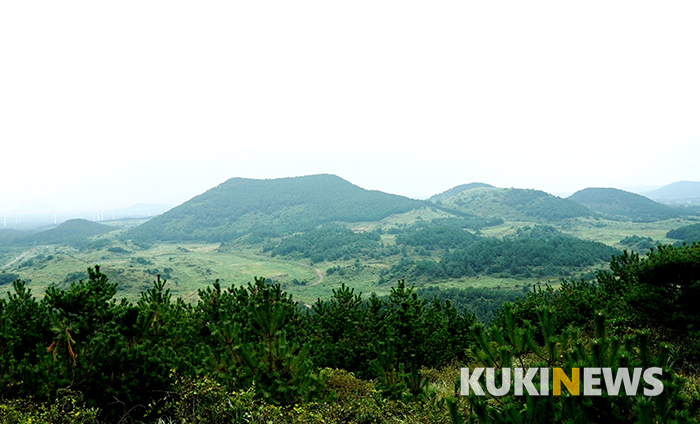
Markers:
point(559, 376)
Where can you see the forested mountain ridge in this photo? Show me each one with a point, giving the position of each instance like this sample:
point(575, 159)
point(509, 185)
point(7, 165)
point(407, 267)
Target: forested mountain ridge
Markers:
point(516, 204)
point(623, 204)
point(276, 206)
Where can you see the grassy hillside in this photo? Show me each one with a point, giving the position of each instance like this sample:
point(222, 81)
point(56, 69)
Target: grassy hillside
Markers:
point(514, 204)
point(276, 206)
point(68, 232)
point(623, 204)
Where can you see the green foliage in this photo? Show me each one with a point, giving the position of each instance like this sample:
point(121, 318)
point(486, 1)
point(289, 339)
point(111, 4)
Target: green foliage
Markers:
point(68, 408)
point(205, 401)
point(687, 233)
point(117, 249)
point(482, 303)
point(618, 203)
point(141, 261)
point(7, 278)
point(258, 339)
point(24, 325)
point(522, 257)
point(538, 232)
point(75, 276)
point(638, 243)
point(380, 336)
point(443, 236)
point(663, 288)
point(329, 244)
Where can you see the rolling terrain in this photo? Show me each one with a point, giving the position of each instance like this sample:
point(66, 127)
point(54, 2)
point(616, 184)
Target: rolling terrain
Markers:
point(313, 233)
point(620, 204)
point(512, 204)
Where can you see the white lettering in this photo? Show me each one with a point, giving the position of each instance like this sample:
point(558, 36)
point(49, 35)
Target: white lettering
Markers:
point(519, 381)
point(654, 382)
point(491, 382)
point(623, 376)
point(467, 381)
point(589, 381)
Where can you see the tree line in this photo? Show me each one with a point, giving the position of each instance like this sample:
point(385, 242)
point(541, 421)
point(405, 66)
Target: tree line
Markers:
point(252, 354)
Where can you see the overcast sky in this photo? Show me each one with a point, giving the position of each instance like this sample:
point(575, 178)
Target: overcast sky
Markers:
point(108, 104)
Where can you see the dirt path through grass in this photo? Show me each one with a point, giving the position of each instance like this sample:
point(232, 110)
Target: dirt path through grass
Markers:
point(320, 276)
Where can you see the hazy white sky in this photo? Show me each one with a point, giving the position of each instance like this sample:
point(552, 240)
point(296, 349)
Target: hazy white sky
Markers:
point(114, 103)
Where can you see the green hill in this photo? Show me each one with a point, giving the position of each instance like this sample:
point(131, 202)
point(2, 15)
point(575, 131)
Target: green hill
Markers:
point(456, 190)
point(274, 207)
point(623, 204)
point(67, 232)
point(687, 233)
point(7, 235)
point(515, 204)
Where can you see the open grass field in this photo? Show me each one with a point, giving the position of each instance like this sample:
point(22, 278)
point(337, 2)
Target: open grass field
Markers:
point(611, 232)
point(188, 267)
point(601, 230)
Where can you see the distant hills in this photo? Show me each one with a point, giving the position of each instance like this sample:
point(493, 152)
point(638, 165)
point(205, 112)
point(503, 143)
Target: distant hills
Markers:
point(680, 192)
point(284, 206)
point(620, 204)
point(274, 206)
point(67, 232)
point(515, 204)
point(7, 234)
point(456, 190)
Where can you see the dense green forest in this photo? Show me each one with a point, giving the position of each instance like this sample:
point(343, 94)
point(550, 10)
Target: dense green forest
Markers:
point(447, 234)
point(638, 244)
point(622, 204)
point(252, 354)
point(483, 303)
point(520, 257)
point(330, 244)
point(281, 206)
point(688, 233)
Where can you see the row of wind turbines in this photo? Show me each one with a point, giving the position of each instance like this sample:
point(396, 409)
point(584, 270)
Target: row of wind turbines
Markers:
point(98, 215)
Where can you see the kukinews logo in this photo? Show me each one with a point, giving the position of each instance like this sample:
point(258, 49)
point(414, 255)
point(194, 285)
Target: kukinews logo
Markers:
point(589, 381)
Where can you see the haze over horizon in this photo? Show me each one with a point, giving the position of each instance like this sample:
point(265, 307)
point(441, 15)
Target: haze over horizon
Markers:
point(110, 105)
